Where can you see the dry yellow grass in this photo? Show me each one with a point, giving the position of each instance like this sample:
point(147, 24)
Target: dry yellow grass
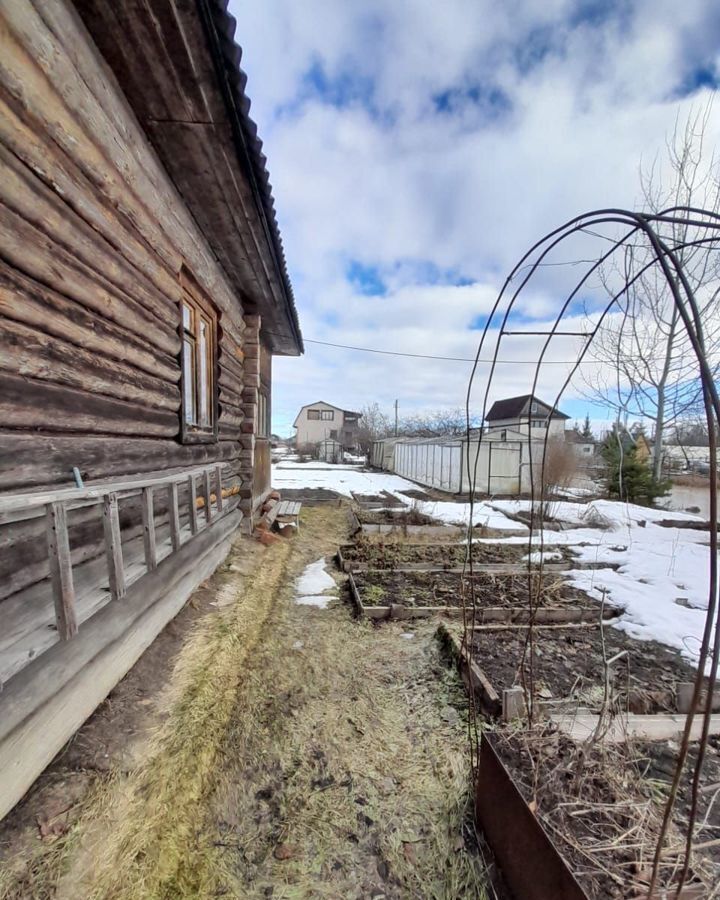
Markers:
point(288, 732)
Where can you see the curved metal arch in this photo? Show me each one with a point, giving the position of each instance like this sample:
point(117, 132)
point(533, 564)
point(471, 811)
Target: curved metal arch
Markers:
point(665, 257)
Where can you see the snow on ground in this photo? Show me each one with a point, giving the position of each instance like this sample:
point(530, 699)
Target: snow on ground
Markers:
point(345, 479)
point(459, 513)
point(315, 587)
point(662, 575)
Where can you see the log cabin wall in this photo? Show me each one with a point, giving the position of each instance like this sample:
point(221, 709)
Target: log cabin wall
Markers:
point(93, 238)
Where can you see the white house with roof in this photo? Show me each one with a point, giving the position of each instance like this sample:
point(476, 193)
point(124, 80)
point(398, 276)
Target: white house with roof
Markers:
point(322, 421)
point(522, 416)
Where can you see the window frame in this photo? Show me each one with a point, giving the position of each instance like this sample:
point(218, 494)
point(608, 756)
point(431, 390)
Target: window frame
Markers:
point(313, 415)
point(262, 415)
point(327, 415)
point(202, 311)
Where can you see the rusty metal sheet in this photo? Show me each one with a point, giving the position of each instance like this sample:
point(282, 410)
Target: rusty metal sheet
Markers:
point(530, 862)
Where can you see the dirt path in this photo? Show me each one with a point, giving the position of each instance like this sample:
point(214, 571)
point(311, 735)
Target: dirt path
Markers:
point(300, 754)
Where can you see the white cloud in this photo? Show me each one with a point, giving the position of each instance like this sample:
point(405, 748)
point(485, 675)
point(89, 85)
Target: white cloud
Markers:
point(552, 113)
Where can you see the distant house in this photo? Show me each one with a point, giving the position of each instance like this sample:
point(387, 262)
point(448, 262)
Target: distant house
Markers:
point(515, 414)
point(322, 421)
point(583, 447)
point(633, 441)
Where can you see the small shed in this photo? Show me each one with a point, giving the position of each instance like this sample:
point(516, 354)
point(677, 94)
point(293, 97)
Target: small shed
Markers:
point(330, 451)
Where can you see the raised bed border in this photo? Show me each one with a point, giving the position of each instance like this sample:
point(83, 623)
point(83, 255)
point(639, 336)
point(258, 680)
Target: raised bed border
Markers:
point(483, 614)
point(530, 862)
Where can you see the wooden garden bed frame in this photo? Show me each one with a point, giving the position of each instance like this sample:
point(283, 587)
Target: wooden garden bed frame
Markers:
point(483, 614)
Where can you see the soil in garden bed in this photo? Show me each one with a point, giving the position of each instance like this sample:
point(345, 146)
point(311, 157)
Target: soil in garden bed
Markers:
point(661, 759)
point(401, 517)
point(384, 588)
point(568, 664)
point(392, 554)
point(382, 500)
point(601, 807)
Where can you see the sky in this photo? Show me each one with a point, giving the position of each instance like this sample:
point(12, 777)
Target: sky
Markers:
point(417, 149)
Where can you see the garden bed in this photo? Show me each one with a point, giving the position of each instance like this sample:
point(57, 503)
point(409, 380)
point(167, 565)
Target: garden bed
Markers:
point(602, 809)
point(387, 594)
point(569, 666)
point(401, 523)
point(600, 796)
point(380, 554)
point(436, 587)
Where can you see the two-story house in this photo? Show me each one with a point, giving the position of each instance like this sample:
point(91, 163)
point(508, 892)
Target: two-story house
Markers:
point(525, 415)
point(322, 421)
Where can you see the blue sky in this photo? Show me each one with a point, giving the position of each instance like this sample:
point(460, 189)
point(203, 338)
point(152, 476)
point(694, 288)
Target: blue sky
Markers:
point(417, 149)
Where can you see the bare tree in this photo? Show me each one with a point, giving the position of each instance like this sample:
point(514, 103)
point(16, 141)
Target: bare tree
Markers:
point(374, 425)
point(434, 424)
point(647, 368)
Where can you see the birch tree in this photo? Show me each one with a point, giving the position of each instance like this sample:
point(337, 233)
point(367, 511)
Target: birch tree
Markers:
point(647, 367)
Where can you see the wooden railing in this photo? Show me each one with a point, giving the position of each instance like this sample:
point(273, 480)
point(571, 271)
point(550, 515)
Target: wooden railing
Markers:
point(55, 505)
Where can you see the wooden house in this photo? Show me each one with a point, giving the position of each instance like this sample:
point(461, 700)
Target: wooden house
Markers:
point(322, 421)
point(143, 293)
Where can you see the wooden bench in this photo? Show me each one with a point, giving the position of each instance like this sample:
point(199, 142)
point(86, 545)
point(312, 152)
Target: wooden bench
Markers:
point(287, 512)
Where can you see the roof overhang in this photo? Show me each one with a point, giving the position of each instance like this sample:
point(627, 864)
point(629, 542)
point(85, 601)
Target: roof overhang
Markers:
point(179, 67)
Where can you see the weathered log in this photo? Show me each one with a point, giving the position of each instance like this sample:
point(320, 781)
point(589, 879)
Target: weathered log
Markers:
point(35, 460)
point(26, 403)
point(23, 299)
point(37, 254)
point(32, 353)
point(96, 131)
point(23, 192)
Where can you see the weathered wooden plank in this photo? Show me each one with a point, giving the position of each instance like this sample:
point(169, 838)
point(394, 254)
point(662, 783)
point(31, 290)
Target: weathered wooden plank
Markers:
point(61, 575)
point(23, 299)
point(148, 519)
point(207, 489)
point(192, 504)
point(40, 206)
point(56, 700)
point(113, 546)
point(219, 487)
point(658, 727)
point(174, 515)
point(27, 403)
point(32, 353)
point(40, 460)
point(37, 254)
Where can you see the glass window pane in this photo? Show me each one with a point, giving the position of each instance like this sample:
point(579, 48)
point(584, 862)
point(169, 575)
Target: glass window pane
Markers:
point(187, 312)
point(189, 381)
point(204, 374)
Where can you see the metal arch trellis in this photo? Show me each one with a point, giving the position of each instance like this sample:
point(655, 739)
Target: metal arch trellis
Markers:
point(665, 255)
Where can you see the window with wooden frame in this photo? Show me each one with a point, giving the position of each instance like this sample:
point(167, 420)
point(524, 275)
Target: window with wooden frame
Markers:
point(313, 414)
point(198, 361)
point(262, 424)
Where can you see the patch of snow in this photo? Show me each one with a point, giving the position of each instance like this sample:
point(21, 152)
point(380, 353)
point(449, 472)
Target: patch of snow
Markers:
point(654, 567)
point(318, 600)
point(543, 556)
point(314, 580)
point(451, 513)
point(407, 635)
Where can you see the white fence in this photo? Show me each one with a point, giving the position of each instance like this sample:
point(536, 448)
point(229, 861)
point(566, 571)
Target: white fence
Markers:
point(437, 465)
point(496, 467)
